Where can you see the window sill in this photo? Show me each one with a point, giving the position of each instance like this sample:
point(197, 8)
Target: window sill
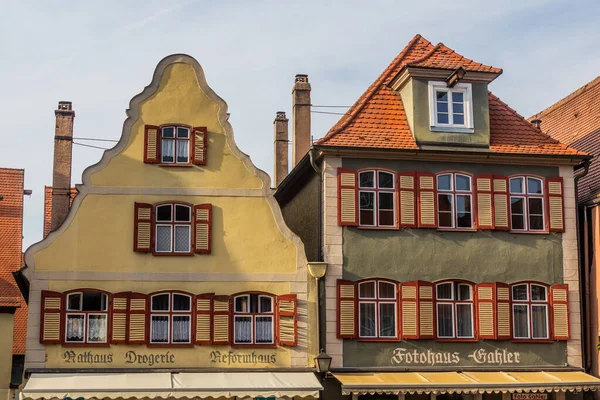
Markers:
point(175, 165)
point(154, 253)
point(379, 228)
point(171, 345)
point(472, 230)
point(378, 339)
point(532, 341)
point(465, 340)
point(254, 346)
point(85, 344)
point(529, 232)
point(451, 129)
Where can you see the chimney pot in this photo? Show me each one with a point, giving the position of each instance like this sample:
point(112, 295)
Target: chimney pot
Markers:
point(537, 123)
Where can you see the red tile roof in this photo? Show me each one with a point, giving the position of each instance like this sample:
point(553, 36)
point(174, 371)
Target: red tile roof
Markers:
point(48, 207)
point(377, 119)
point(11, 243)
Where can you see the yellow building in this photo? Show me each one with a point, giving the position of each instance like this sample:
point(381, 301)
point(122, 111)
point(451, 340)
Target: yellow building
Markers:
point(174, 256)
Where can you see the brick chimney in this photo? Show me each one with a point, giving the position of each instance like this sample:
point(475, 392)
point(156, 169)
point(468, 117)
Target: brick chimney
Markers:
point(63, 155)
point(281, 150)
point(301, 117)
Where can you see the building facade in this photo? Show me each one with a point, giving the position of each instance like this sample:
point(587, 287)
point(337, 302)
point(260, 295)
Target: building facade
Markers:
point(173, 257)
point(447, 222)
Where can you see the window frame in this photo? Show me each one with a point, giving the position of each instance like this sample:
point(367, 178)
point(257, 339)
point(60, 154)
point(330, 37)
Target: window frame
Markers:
point(170, 313)
point(172, 224)
point(530, 303)
point(376, 190)
point(253, 317)
point(455, 302)
point(526, 196)
point(189, 139)
point(378, 301)
point(454, 192)
point(467, 91)
point(86, 314)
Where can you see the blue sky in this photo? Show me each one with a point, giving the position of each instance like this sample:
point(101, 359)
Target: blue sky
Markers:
point(100, 54)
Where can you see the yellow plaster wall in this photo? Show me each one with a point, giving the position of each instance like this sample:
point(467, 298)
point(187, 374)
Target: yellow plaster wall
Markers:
point(6, 345)
point(179, 99)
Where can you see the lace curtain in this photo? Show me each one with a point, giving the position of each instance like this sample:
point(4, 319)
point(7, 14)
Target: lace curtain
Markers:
point(75, 328)
point(264, 329)
point(243, 329)
point(181, 329)
point(160, 329)
point(97, 328)
point(539, 322)
point(182, 150)
point(168, 150)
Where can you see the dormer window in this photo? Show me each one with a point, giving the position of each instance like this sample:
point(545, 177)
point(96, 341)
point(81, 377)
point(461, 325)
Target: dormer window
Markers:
point(450, 109)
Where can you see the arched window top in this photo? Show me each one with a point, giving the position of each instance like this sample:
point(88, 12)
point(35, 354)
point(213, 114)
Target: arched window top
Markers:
point(377, 288)
point(87, 300)
point(173, 212)
point(529, 292)
point(526, 185)
point(171, 301)
point(454, 181)
point(530, 310)
point(375, 178)
point(454, 290)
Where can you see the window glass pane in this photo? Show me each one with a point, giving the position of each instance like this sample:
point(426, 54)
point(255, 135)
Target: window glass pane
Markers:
point(442, 118)
point(242, 329)
point(254, 303)
point(444, 291)
point(159, 329)
point(441, 95)
point(182, 302)
point(457, 97)
point(75, 328)
point(464, 292)
point(444, 182)
point(442, 107)
point(386, 218)
point(265, 304)
point(242, 304)
point(387, 320)
point(445, 319)
point(183, 132)
point(163, 213)
point(387, 290)
point(386, 180)
point(539, 322)
point(182, 213)
point(163, 238)
point(182, 151)
point(367, 217)
point(367, 208)
point(445, 220)
point(181, 329)
point(534, 186)
point(463, 183)
point(458, 119)
point(536, 223)
point(366, 290)
point(386, 209)
point(538, 293)
point(97, 328)
point(464, 320)
point(366, 179)
point(168, 150)
point(367, 319)
point(264, 329)
point(516, 185)
point(445, 202)
point(463, 211)
point(516, 205)
point(182, 238)
point(521, 321)
point(160, 302)
point(457, 108)
point(518, 222)
point(519, 292)
point(94, 301)
point(535, 206)
point(74, 301)
point(168, 132)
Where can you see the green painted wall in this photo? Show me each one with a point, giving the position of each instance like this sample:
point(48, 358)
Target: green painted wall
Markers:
point(415, 96)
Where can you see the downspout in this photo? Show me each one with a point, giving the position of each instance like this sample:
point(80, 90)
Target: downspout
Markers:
point(587, 273)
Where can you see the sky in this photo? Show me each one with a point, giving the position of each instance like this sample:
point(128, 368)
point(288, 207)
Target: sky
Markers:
point(101, 54)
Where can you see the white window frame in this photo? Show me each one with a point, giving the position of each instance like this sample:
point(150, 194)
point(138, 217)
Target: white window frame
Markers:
point(454, 192)
point(467, 91)
point(377, 301)
point(170, 313)
point(84, 327)
point(376, 190)
point(454, 302)
point(253, 321)
point(79, 311)
point(526, 196)
point(87, 326)
point(529, 303)
point(175, 140)
point(172, 223)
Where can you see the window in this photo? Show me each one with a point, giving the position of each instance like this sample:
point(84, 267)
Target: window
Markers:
point(454, 310)
point(86, 317)
point(377, 198)
point(455, 201)
point(377, 309)
point(173, 228)
point(450, 108)
point(530, 311)
point(175, 145)
point(253, 319)
point(170, 318)
point(527, 204)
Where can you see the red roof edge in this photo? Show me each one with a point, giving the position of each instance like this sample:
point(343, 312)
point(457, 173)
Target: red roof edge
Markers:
point(565, 99)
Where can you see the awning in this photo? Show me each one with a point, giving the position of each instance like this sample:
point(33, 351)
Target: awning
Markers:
point(465, 382)
point(163, 385)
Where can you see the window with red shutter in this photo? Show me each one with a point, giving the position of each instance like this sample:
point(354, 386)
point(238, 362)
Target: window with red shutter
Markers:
point(347, 197)
point(346, 310)
point(200, 144)
point(204, 318)
point(202, 228)
point(287, 319)
point(52, 317)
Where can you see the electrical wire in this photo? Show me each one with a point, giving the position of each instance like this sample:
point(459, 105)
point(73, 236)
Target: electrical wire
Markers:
point(89, 145)
point(325, 112)
point(99, 140)
point(312, 105)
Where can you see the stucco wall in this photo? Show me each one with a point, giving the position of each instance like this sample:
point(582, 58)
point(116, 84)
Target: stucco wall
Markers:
point(6, 345)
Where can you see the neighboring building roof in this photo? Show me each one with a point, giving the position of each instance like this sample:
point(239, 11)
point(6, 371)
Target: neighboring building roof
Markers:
point(11, 246)
point(378, 120)
point(588, 187)
point(48, 207)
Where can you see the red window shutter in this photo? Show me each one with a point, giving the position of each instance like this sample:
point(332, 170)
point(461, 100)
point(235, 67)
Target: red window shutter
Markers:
point(143, 228)
point(486, 310)
point(559, 297)
point(119, 318)
point(52, 317)
point(221, 320)
point(202, 228)
point(503, 312)
point(427, 201)
point(347, 197)
point(203, 321)
point(199, 145)
point(347, 310)
point(152, 144)
point(287, 319)
point(555, 204)
point(409, 310)
point(501, 203)
point(485, 201)
point(407, 202)
point(426, 310)
point(139, 310)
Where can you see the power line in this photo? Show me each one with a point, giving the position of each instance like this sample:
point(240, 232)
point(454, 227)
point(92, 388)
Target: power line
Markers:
point(325, 112)
point(89, 145)
point(99, 140)
point(312, 105)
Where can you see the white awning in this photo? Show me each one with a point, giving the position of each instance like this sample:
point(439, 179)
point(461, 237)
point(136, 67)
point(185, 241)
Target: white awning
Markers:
point(163, 385)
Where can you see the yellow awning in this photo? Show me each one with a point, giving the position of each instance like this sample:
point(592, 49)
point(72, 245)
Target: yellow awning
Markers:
point(171, 385)
point(465, 382)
